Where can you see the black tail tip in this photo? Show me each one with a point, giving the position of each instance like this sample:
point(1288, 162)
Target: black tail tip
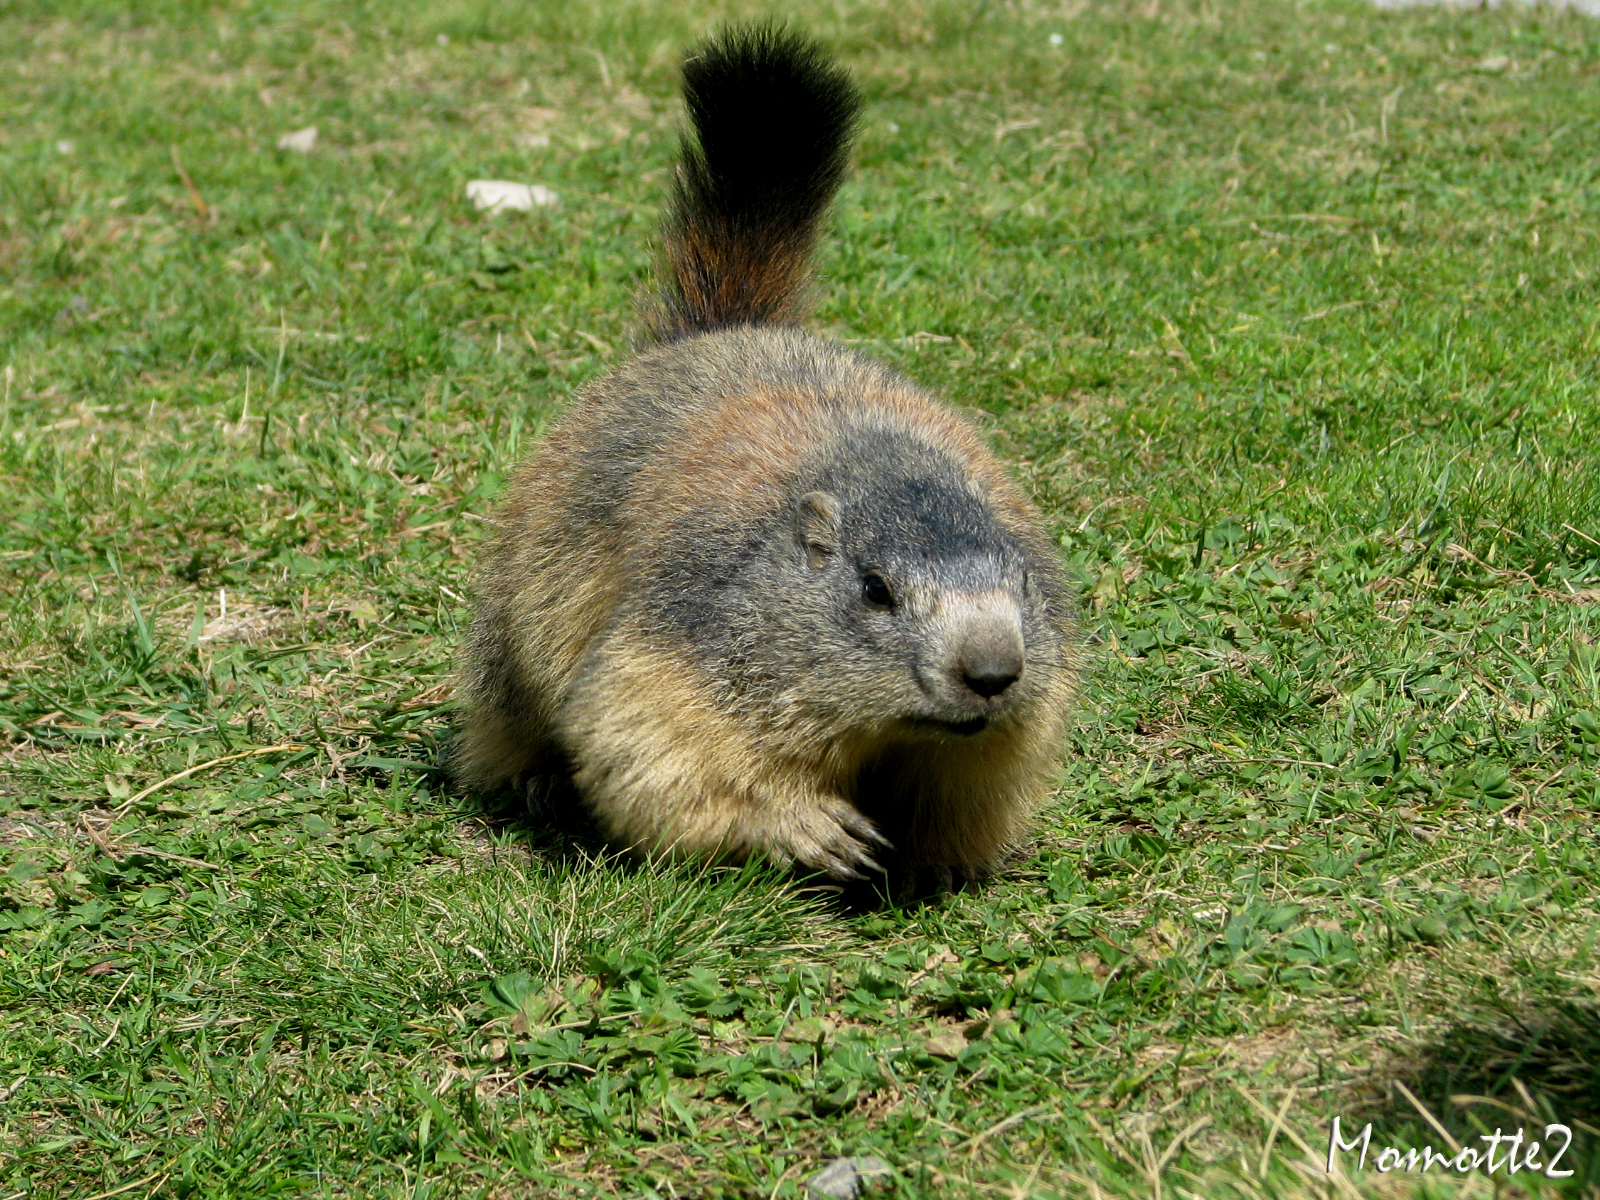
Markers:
point(774, 116)
point(768, 60)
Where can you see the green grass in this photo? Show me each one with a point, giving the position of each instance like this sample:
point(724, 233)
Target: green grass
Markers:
point(1285, 312)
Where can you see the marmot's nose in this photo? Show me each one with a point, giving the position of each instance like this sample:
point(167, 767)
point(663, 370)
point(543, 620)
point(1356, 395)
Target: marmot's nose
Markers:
point(991, 659)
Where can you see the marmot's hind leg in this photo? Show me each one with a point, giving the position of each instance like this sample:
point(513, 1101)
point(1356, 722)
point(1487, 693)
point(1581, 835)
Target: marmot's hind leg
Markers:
point(492, 749)
point(547, 789)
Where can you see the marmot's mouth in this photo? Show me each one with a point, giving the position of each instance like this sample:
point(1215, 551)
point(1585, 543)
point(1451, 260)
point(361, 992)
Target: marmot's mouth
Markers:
point(963, 728)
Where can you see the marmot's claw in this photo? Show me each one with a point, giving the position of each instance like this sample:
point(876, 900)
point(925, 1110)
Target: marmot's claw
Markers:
point(861, 860)
point(864, 829)
point(840, 843)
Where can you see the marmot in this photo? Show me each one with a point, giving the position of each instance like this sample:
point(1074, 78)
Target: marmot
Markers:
point(755, 593)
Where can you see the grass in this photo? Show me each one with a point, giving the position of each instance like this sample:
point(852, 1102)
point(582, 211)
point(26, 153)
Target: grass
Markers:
point(1285, 312)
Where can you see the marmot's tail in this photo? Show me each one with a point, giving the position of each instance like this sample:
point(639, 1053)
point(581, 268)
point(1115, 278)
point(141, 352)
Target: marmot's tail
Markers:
point(773, 119)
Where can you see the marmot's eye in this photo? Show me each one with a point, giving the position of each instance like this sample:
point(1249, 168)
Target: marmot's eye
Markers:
point(875, 591)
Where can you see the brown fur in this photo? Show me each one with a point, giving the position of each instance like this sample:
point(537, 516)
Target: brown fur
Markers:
point(710, 273)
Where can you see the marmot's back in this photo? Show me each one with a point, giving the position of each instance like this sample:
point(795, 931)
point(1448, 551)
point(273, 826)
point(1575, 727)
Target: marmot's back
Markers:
point(756, 592)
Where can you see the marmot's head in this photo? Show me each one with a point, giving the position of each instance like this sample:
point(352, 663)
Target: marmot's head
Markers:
point(912, 608)
point(883, 593)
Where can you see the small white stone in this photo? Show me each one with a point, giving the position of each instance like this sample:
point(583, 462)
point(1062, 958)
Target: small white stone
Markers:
point(301, 140)
point(1056, 39)
point(842, 1178)
point(495, 195)
point(443, 39)
point(66, 146)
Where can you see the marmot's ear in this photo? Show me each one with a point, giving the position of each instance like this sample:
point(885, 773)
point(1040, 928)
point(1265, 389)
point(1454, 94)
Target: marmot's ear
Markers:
point(817, 524)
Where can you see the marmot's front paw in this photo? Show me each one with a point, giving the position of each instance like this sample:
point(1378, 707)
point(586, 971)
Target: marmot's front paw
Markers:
point(835, 837)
